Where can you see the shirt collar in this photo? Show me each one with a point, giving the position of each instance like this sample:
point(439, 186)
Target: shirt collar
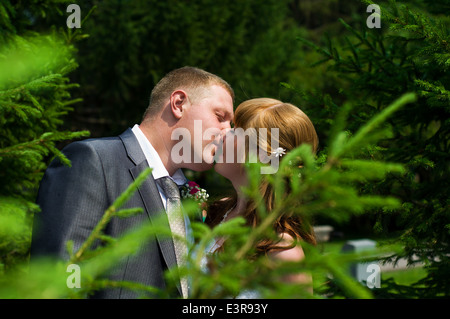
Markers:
point(153, 159)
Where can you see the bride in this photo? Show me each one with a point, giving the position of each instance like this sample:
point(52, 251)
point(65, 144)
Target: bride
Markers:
point(295, 128)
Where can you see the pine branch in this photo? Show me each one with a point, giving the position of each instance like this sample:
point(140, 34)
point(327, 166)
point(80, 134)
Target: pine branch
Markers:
point(369, 127)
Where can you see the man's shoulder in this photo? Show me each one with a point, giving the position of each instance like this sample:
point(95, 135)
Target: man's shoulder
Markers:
point(91, 145)
point(94, 150)
point(98, 143)
point(112, 149)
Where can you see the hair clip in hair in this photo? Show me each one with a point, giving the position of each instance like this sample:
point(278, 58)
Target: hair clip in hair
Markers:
point(279, 152)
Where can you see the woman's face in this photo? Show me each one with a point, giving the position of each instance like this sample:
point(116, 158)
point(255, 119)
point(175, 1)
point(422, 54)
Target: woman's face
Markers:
point(230, 156)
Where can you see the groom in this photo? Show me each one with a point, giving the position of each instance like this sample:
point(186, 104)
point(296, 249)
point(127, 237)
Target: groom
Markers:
point(73, 199)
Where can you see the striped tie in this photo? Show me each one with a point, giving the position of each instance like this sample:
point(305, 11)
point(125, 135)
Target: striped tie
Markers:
point(177, 224)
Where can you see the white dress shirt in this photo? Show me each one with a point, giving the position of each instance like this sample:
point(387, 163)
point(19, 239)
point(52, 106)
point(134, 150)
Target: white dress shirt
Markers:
point(154, 161)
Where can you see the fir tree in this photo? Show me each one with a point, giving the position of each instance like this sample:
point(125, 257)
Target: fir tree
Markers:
point(34, 97)
point(409, 53)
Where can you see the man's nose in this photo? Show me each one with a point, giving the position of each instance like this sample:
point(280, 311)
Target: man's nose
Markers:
point(225, 131)
point(226, 125)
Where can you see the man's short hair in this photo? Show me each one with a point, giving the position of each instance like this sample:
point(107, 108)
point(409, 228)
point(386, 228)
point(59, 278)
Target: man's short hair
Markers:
point(191, 79)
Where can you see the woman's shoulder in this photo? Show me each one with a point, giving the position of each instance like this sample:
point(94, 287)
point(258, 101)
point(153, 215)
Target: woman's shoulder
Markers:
point(290, 249)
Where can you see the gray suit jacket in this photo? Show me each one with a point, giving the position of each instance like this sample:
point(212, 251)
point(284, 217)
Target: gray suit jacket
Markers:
point(73, 199)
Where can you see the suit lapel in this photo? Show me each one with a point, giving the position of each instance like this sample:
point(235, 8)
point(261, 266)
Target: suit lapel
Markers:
point(154, 208)
point(149, 194)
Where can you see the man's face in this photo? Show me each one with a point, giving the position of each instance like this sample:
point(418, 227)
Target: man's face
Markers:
point(205, 119)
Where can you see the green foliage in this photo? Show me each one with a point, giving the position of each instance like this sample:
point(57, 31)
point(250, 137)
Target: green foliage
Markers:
point(133, 44)
point(34, 96)
point(409, 53)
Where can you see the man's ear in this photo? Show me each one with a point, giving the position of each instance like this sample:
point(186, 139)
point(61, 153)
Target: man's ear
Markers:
point(178, 102)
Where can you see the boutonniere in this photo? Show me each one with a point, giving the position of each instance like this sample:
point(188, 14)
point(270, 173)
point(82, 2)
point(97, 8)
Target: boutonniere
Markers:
point(193, 191)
